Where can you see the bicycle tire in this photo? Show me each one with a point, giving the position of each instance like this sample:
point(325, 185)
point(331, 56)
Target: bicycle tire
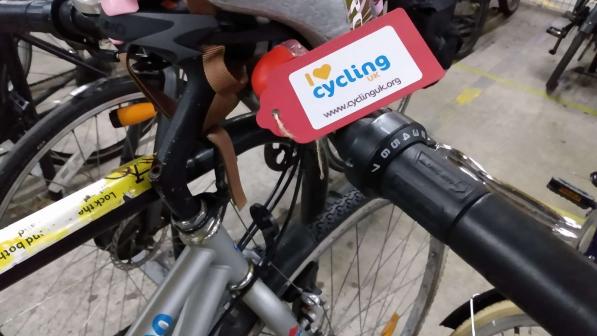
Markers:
point(554, 78)
point(470, 33)
point(508, 7)
point(329, 230)
point(498, 319)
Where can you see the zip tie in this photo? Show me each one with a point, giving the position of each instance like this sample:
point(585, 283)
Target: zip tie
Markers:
point(281, 127)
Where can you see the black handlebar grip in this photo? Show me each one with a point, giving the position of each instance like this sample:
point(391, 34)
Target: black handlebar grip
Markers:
point(523, 259)
point(26, 16)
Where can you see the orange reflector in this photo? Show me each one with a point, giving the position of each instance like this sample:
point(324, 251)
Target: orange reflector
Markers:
point(388, 330)
point(132, 114)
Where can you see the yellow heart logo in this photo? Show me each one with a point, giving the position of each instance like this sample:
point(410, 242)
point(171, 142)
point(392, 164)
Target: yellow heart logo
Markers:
point(323, 72)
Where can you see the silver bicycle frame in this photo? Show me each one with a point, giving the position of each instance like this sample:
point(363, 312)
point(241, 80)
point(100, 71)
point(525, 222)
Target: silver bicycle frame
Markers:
point(187, 301)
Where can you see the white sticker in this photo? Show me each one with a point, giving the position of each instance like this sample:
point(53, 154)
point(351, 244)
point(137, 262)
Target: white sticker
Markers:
point(354, 77)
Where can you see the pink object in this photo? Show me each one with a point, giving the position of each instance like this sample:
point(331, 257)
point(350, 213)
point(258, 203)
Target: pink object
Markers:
point(116, 42)
point(118, 7)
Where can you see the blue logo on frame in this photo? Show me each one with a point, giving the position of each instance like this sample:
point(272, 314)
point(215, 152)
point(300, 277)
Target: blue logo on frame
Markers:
point(160, 324)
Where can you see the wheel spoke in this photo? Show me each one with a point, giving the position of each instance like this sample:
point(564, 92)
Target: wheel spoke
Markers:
point(82, 155)
point(356, 230)
point(366, 282)
point(108, 300)
point(97, 149)
point(383, 245)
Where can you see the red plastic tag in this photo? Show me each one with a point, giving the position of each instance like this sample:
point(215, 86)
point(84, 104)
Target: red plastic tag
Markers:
point(347, 78)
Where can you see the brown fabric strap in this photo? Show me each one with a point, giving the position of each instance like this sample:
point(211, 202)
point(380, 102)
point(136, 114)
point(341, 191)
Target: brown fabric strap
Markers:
point(221, 77)
point(225, 82)
point(203, 7)
point(220, 138)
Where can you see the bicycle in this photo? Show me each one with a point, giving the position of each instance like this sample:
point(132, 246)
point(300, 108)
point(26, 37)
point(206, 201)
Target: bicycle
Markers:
point(451, 205)
point(11, 184)
point(583, 17)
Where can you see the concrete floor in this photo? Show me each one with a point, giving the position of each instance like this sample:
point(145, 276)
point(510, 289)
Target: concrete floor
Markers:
point(492, 106)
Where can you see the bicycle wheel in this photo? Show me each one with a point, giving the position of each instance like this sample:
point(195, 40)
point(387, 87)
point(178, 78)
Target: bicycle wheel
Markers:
point(501, 318)
point(82, 145)
point(552, 82)
point(372, 268)
point(61, 297)
point(389, 267)
point(469, 19)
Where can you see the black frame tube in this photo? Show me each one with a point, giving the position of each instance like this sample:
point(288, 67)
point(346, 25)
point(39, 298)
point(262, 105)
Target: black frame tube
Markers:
point(60, 53)
point(185, 127)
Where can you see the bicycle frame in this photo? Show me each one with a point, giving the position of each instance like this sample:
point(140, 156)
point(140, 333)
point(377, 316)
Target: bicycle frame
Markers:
point(199, 278)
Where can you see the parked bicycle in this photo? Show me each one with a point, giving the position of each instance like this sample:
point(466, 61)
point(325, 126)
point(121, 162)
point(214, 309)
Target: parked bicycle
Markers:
point(282, 281)
point(582, 17)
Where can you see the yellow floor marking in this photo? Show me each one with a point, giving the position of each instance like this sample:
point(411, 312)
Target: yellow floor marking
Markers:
point(525, 88)
point(388, 330)
point(467, 95)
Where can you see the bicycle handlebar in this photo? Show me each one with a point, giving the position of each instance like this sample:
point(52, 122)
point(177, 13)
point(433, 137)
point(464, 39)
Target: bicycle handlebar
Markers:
point(47, 16)
point(546, 278)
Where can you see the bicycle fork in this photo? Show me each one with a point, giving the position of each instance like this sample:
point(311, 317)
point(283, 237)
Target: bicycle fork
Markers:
point(187, 301)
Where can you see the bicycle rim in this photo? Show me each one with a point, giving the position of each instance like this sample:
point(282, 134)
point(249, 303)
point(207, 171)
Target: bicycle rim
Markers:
point(503, 319)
